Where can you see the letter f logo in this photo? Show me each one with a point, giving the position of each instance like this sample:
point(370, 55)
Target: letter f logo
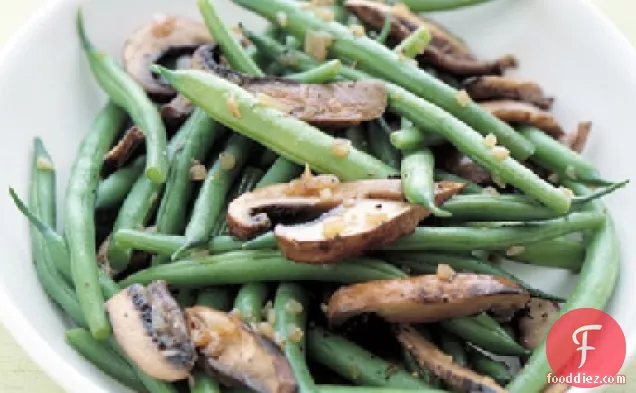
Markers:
point(583, 344)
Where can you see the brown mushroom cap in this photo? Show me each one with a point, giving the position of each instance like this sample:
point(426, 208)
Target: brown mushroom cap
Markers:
point(237, 355)
point(498, 88)
point(429, 356)
point(152, 41)
point(425, 299)
point(535, 324)
point(516, 112)
point(119, 155)
point(577, 139)
point(150, 328)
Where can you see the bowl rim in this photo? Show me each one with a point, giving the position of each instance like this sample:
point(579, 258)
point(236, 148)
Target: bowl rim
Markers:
point(50, 361)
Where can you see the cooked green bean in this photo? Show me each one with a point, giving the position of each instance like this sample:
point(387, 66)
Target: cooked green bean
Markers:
point(321, 74)
point(372, 389)
point(168, 244)
point(593, 290)
point(386, 28)
point(485, 365)
point(409, 138)
point(247, 182)
point(267, 159)
point(103, 358)
point(240, 267)
point(417, 180)
point(79, 216)
point(453, 346)
point(186, 297)
point(556, 253)
point(213, 193)
point(266, 241)
point(380, 61)
point(439, 5)
point(125, 92)
point(426, 263)
point(288, 136)
point(292, 42)
point(430, 118)
point(557, 157)
point(489, 336)
point(215, 297)
point(358, 138)
point(232, 50)
point(495, 238)
point(412, 366)
point(470, 188)
point(139, 205)
point(281, 171)
point(203, 383)
point(356, 364)
point(290, 307)
point(415, 43)
point(484, 207)
point(112, 191)
point(379, 144)
point(43, 179)
point(250, 301)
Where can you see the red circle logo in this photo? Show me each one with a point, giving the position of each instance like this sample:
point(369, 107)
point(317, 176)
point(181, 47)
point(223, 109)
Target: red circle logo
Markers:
point(585, 348)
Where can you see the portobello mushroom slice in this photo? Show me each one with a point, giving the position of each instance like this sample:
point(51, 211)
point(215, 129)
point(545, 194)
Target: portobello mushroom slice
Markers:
point(425, 299)
point(428, 355)
point(535, 324)
point(165, 34)
point(150, 327)
point(445, 51)
point(506, 88)
point(124, 149)
point(461, 165)
point(577, 139)
point(234, 353)
point(516, 112)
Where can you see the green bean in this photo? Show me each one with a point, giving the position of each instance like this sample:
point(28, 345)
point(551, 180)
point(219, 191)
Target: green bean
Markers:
point(290, 305)
point(292, 138)
point(483, 207)
point(439, 5)
point(497, 238)
point(430, 118)
point(557, 157)
point(321, 74)
point(213, 193)
point(186, 297)
point(382, 62)
point(417, 180)
point(469, 188)
point(281, 171)
point(267, 159)
point(43, 179)
point(112, 191)
point(215, 297)
point(453, 346)
point(250, 301)
point(593, 289)
point(79, 216)
point(410, 138)
point(379, 144)
point(415, 43)
point(386, 28)
point(103, 358)
point(358, 139)
point(168, 244)
point(139, 205)
point(462, 263)
point(248, 181)
point(202, 134)
point(356, 364)
point(557, 253)
point(232, 50)
point(126, 93)
point(372, 389)
point(203, 383)
point(491, 337)
point(412, 366)
point(485, 365)
point(240, 267)
point(266, 241)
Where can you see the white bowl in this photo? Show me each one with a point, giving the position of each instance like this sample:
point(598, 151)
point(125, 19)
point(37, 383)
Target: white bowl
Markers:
point(46, 89)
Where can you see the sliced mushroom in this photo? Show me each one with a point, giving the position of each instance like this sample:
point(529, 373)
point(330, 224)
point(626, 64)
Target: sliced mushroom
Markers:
point(535, 324)
point(237, 355)
point(516, 112)
point(151, 329)
point(445, 51)
point(498, 88)
point(165, 34)
point(425, 299)
point(578, 139)
point(124, 149)
point(459, 164)
point(429, 356)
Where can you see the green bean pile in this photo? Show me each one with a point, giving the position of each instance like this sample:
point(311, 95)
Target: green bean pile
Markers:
point(162, 215)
